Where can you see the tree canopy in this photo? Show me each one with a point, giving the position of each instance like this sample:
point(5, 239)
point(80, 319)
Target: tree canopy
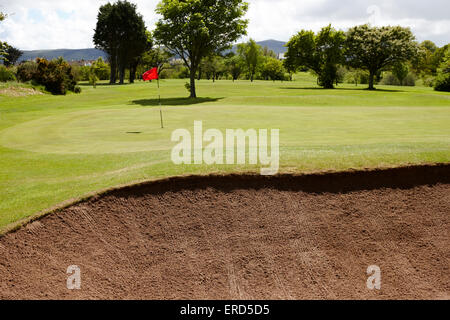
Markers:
point(320, 53)
point(251, 53)
point(194, 29)
point(443, 78)
point(121, 33)
point(12, 55)
point(376, 48)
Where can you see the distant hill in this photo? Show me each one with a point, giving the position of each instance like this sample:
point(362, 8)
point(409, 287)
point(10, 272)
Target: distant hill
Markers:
point(93, 54)
point(67, 54)
point(274, 45)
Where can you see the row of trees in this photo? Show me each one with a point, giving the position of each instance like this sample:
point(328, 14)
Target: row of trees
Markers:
point(362, 47)
point(121, 33)
point(250, 62)
point(199, 31)
point(367, 49)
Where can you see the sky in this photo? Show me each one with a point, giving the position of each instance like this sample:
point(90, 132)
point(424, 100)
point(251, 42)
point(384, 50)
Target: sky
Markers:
point(69, 24)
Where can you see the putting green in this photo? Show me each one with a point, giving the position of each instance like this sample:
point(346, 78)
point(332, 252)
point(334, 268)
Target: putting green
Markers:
point(115, 131)
point(90, 132)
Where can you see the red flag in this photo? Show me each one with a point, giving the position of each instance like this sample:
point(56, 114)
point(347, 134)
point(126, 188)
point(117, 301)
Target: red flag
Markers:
point(151, 74)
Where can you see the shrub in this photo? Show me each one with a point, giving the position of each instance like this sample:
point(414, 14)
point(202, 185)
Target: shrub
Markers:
point(26, 71)
point(410, 80)
point(391, 80)
point(187, 85)
point(357, 76)
point(76, 72)
point(6, 74)
point(443, 78)
point(55, 75)
point(442, 82)
point(77, 89)
point(84, 73)
point(428, 81)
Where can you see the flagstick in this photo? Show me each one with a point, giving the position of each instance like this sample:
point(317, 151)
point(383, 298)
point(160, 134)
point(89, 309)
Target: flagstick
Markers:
point(160, 107)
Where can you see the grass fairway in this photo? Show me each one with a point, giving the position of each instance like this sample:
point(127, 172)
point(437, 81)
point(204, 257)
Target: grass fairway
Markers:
point(54, 148)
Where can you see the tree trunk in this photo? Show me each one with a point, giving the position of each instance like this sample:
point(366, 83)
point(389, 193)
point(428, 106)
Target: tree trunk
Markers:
point(132, 73)
point(112, 77)
point(193, 93)
point(371, 80)
point(122, 75)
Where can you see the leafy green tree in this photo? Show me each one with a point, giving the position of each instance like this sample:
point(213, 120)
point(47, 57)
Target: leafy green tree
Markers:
point(99, 70)
point(400, 71)
point(2, 44)
point(273, 69)
point(423, 63)
point(377, 48)
point(156, 57)
point(438, 57)
point(212, 66)
point(266, 52)
point(443, 79)
point(145, 46)
point(251, 53)
point(121, 33)
point(235, 66)
point(12, 55)
point(194, 29)
point(320, 53)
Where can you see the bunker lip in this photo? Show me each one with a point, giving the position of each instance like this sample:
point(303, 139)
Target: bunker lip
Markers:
point(238, 237)
point(322, 181)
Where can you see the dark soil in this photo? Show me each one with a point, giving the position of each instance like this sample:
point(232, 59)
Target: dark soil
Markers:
point(243, 237)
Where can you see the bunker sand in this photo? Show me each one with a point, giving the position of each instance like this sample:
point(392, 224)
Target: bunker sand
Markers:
point(243, 237)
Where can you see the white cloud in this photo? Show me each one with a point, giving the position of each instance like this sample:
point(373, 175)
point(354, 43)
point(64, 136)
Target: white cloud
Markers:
point(51, 24)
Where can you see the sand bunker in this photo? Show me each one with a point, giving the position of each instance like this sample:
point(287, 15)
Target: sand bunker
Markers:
point(243, 237)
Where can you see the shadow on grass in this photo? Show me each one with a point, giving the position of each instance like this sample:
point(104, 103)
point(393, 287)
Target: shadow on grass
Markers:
point(174, 101)
point(346, 88)
point(87, 84)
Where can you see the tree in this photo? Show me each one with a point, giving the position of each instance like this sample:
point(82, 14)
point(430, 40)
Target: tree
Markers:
point(422, 63)
point(121, 33)
point(157, 57)
point(194, 29)
point(2, 44)
point(377, 48)
point(400, 71)
point(99, 70)
point(251, 53)
point(141, 47)
point(266, 52)
point(273, 69)
point(443, 78)
point(438, 57)
point(320, 53)
point(212, 66)
point(235, 66)
point(12, 55)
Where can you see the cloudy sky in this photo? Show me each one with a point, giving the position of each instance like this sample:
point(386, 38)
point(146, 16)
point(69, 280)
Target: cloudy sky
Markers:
point(52, 24)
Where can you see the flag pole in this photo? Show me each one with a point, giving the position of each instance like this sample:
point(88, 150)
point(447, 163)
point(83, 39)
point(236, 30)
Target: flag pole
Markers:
point(160, 106)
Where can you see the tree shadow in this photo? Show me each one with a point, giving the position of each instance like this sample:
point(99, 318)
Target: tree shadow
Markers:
point(174, 101)
point(343, 89)
point(87, 84)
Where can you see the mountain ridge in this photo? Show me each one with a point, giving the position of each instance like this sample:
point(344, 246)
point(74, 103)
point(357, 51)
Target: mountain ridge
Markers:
point(93, 54)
